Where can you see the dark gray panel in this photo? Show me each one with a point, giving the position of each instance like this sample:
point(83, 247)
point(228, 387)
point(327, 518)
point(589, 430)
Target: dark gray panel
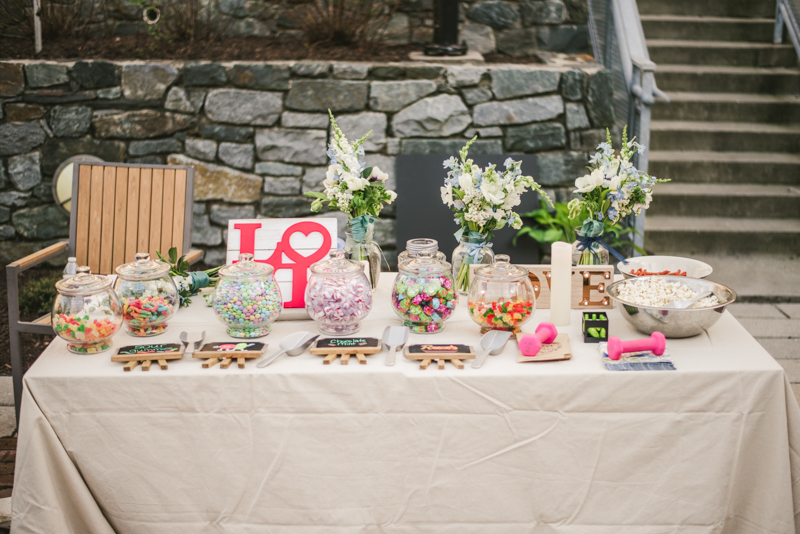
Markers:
point(421, 213)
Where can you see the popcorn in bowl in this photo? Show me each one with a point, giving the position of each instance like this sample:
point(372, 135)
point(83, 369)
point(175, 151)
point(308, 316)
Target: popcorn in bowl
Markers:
point(658, 292)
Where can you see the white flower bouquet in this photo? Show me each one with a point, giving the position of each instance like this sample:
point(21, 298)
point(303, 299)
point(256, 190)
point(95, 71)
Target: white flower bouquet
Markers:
point(356, 190)
point(482, 200)
point(613, 189)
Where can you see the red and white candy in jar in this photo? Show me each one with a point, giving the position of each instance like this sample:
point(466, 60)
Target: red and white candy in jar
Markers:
point(338, 295)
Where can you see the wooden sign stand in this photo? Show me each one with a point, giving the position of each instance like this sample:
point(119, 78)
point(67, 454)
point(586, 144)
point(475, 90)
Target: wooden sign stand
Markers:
point(441, 354)
point(344, 348)
point(145, 355)
point(214, 353)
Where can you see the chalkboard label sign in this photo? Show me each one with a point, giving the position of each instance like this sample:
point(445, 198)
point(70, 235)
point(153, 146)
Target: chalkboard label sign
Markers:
point(440, 349)
point(228, 346)
point(156, 348)
point(347, 342)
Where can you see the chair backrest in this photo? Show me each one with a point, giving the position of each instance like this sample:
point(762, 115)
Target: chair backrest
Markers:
point(120, 209)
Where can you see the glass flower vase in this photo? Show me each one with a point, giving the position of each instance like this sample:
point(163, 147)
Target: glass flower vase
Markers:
point(471, 250)
point(593, 254)
point(361, 248)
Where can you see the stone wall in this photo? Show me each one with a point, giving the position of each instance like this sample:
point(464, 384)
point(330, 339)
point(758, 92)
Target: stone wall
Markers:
point(512, 27)
point(257, 133)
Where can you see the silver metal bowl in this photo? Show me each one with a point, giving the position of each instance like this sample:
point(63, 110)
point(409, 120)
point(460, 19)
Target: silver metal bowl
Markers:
point(674, 323)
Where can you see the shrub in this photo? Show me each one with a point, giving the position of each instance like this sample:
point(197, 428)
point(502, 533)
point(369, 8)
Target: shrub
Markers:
point(36, 297)
point(344, 21)
point(59, 19)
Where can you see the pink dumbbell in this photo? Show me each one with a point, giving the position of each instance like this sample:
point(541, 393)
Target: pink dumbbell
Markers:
point(529, 345)
point(656, 344)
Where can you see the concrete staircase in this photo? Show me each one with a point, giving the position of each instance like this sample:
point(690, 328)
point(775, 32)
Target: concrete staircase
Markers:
point(729, 141)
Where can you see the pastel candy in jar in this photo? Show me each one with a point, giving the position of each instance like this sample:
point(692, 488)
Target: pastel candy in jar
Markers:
point(338, 295)
point(86, 312)
point(423, 295)
point(247, 298)
point(148, 294)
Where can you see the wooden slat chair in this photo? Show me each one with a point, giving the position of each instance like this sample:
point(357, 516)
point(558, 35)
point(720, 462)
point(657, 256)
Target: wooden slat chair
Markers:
point(117, 210)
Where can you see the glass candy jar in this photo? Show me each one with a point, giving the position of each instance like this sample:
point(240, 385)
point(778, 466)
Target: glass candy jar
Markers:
point(424, 294)
point(247, 298)
point(473, 249)
point(501, 296)
point(338, 295)
point(360, 247)
point(86, 312)
point(148, 294)
point(415, 246)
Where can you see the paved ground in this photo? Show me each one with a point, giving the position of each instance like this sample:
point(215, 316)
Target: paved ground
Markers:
point(777, 328)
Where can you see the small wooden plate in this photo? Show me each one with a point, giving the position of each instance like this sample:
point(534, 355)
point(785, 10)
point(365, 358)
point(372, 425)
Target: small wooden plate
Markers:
point(344, 347)
point(441, 353)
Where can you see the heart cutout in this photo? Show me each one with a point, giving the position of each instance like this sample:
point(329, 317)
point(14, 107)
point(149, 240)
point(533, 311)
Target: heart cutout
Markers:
point(306, 245)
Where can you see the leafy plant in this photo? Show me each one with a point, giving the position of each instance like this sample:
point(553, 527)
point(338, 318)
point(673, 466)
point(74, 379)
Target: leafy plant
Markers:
point(344, 21)
point(36, 297)
point(59, 19)
point(188, 283)
point(548, 227)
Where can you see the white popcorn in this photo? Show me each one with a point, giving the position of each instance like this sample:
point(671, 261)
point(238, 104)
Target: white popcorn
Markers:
point(658, 292)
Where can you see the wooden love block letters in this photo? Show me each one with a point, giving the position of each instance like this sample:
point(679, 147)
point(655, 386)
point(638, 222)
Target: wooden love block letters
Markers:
point(589, 284)
point(227, 351)
point(344, 347)
point(132, 355)
point(291, 246)
point(440, 353)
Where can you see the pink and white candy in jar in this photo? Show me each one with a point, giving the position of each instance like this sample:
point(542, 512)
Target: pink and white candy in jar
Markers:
point(338, 295)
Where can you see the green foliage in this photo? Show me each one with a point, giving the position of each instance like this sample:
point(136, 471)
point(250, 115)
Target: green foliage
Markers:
point(548, 227)
point(37, 296)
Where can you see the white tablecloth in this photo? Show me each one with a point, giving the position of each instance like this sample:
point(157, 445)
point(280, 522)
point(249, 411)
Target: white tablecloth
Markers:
point(302, 447)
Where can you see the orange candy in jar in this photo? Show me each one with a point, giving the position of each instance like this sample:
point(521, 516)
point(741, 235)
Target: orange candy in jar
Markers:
point(86, 312)
point(501, 296)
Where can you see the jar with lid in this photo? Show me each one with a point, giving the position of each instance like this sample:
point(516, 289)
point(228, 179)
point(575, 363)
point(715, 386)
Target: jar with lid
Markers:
point(415, 246)
point(501, 296)
point(424, 294)
point(148, 294)
point(338, 295)
point(247, 298)
point(86, 312)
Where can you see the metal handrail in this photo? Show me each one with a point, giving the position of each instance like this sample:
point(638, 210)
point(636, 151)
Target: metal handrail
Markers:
point(786, 14)
point(619, 45)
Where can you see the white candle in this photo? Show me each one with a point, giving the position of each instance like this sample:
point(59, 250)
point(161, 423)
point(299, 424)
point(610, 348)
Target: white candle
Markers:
point(560, 283)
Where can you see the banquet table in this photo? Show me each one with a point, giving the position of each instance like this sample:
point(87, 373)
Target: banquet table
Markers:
point(301, 447)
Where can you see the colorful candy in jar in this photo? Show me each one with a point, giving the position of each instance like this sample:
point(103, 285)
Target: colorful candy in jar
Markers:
point(246, 298)
point(501, 315)
point(338, 295)
point(423, 294)
point(86, 312)
point(501, 296)
point(146, 316)
point(149, 295)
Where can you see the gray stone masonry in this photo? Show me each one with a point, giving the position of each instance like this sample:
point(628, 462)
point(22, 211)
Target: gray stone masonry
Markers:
point(257, 133)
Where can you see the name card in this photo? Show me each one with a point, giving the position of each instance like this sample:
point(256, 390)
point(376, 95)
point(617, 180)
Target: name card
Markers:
point(291, 246)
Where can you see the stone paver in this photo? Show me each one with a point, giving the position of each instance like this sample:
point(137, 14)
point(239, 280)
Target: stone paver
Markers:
point(759, 327)
point(792, 310)
point(792, 368)
point(755, 310)
point(786, 349)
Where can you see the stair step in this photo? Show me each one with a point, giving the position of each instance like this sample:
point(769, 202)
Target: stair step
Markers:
point(725, 136)
point(715, 8)
point(721, 235)
point(725, 200)
point(720, 79)
point(708, 28)
point(744, 107)
point(724, 53)
point(725, 167)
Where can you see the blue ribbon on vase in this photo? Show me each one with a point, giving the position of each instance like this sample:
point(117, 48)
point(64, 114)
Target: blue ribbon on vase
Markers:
point(473, 247)
point(359, 226)
point(592, 232)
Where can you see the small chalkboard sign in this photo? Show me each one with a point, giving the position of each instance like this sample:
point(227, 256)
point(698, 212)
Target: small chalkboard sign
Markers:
point(441, 352)
point(344, 347)
point(227, 351)
point(132, 355)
